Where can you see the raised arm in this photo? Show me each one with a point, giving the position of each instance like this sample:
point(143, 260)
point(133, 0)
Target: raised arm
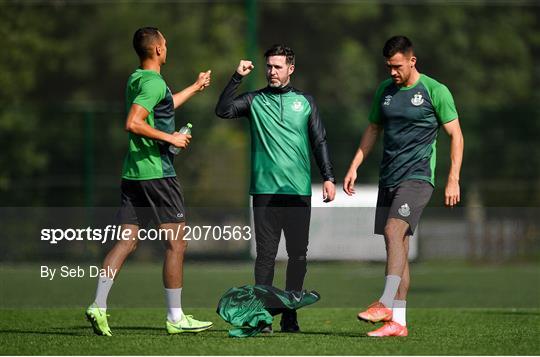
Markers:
point(230, 106)
point(203, 81)
point(369, 138)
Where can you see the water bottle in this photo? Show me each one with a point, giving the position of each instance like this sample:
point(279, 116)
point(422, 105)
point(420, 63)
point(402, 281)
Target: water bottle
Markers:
point(183, 130)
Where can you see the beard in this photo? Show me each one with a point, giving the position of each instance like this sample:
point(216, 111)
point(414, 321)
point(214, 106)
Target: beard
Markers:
point(274, 83)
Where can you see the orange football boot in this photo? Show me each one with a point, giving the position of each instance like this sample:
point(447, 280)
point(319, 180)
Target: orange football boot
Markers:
point(390, 329)
point(376, 312)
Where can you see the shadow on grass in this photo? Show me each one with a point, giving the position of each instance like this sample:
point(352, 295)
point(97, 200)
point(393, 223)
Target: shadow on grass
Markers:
point(78, 331)
point(211, 333)
point(337, 334)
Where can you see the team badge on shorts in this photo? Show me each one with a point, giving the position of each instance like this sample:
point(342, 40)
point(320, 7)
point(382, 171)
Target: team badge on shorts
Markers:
point(404, 210)
point(417, 99)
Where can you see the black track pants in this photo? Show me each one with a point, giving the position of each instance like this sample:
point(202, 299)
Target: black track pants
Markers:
point(272, 214)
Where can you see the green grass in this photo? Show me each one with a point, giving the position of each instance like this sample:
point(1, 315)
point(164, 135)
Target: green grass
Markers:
point(454, 308)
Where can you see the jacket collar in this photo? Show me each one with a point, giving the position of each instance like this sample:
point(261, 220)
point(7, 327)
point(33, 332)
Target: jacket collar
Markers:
point(280, 90)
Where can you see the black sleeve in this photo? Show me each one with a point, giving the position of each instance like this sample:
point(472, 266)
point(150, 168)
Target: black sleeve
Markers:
point(317, 137)
point(229, 107)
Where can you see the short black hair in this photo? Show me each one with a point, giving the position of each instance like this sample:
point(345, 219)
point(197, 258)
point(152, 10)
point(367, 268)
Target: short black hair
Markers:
point(143, 39)
point(397, 44)
point(280, 50)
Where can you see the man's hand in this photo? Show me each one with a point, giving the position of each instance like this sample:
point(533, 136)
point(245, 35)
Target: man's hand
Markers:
point(348, 183)
point(451, 193)
point(203, 80)
point(329, 191)
point(244, 67)
point(180, 140)
point(366, 144)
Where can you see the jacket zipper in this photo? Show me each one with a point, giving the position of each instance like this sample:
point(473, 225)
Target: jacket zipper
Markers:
point(281, 107)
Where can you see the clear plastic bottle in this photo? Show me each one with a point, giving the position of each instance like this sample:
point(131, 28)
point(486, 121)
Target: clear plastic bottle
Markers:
point(183, 130)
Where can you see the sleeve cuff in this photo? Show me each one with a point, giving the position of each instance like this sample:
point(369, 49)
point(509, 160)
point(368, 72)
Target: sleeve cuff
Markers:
point(237, 76)
point(331, 179)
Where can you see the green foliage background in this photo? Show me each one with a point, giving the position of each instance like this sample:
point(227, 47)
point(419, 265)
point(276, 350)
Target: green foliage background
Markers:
point(64, 67)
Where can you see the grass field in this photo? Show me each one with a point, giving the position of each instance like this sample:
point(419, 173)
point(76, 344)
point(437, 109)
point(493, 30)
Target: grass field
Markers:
point(454, 308)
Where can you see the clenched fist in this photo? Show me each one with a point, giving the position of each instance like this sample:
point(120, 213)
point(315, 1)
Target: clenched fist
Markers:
point(244, 67)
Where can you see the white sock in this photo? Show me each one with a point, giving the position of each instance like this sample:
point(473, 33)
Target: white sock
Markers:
point(399, 312)
point(103, 287)
point(174, 304)
point(390, 289)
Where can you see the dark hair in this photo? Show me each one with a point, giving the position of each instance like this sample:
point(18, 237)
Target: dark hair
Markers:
point(281, 50)
point(143, 39)
point(397, 44)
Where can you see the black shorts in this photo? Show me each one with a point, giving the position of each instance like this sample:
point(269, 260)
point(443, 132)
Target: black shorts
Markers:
point(405, 201)
point(157, 200)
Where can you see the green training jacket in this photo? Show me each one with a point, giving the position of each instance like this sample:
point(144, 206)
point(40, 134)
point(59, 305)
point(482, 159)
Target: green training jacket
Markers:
point(284, 124)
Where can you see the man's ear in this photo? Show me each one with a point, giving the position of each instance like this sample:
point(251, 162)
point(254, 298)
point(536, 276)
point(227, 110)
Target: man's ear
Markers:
point(291, 69)
point(158, 50)
point(412, 61)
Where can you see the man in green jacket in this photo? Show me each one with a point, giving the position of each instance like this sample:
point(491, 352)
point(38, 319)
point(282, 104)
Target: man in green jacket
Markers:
point(285, 124)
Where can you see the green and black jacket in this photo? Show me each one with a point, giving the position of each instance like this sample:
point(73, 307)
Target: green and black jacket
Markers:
point(251, 308)
point(284, 123)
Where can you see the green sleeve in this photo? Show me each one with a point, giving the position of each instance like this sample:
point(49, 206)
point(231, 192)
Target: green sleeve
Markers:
point(375, 113)
point(443, 103)
point(152, 92)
